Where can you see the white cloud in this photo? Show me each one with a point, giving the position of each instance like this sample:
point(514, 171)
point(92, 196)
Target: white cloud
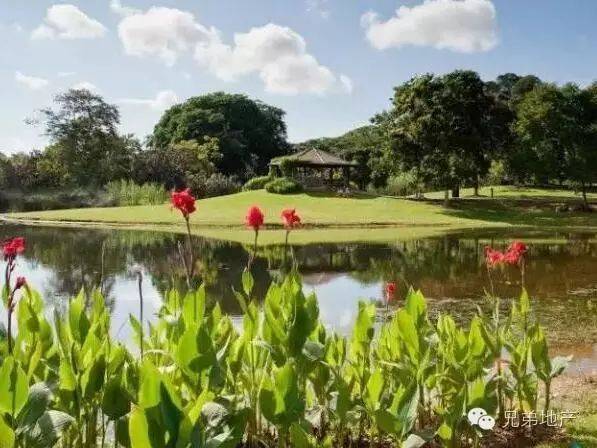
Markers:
point(31, 82)
point(318, 7)
point(163, 32)
point(66, 21)
point(86, 85)
point(117, 7)
point(278, 54)
point(162, 101)
point(66, 74)
point(465, 26)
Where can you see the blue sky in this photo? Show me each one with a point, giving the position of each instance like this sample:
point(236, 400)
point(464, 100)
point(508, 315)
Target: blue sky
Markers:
point(330, 64)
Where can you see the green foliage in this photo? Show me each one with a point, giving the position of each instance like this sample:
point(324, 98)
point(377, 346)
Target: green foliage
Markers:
point(86, 147)
point(256, 183)
point(126, 192)
point(218, 184)
point(283, 185)
point(250, 132)
point(403, 184)
point(283, 379)
point(446, 128)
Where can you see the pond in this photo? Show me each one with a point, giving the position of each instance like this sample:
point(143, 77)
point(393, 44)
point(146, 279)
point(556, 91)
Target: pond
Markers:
point(560, 274)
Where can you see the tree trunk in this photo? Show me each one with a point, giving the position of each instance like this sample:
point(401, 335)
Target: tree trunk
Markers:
point(476, 186)
point(447, 198)
point(584, 196)
point(456, 191)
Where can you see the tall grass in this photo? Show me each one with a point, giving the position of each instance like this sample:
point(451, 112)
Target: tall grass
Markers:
point(127, 192)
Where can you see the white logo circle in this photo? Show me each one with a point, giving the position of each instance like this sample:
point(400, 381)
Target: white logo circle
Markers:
point(475, 414)
point(486, 422)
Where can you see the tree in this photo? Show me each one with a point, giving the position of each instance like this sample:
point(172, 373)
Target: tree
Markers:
point(557, 128)
point(445, 128)
point(250, 133)
point(84, 137)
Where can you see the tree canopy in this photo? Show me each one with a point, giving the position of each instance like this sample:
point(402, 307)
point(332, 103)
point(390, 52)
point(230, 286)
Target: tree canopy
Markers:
point(249, 133)
point(86, 148)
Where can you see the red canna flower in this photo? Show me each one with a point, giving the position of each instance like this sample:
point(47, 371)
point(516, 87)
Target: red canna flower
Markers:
point(390, 291)
point(290, 218)
point(184, 201)
point(13, 247)
point(518, 246)
point(493, 257)
point(254, 218)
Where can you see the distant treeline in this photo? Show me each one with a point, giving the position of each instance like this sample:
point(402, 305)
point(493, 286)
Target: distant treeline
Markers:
point(440, 132)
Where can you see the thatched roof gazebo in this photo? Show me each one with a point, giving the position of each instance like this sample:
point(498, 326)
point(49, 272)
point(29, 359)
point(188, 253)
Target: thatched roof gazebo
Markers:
point(313, 167)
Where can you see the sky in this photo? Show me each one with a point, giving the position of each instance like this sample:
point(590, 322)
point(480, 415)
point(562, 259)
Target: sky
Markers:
point(330, 64)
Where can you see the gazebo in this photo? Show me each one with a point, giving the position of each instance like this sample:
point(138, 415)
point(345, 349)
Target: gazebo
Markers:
point(313, 167)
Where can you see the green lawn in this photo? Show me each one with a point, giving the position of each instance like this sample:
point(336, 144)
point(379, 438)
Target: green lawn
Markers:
point(512, 192)
point(229, 211)
point(331, 218)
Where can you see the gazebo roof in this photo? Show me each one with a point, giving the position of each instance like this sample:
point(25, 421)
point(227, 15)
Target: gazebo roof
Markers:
point(314, 157)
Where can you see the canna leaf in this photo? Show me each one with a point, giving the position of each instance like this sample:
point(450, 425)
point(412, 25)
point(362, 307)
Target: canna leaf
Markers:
point(139, 429)
point(13, 387)
point(7, 435)
point(115, 402)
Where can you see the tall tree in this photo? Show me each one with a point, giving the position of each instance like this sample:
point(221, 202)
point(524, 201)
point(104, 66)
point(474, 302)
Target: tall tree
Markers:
point(249, 132)
point(446, 128)
point(83, 132)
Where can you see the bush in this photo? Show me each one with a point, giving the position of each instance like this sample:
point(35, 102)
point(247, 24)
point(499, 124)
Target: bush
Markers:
point(403, 184)
point(127, 192)
point(283, 185)
point(257, 183)
point(219, 185)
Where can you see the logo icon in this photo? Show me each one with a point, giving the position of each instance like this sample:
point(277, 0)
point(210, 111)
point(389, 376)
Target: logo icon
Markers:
point(478, 416)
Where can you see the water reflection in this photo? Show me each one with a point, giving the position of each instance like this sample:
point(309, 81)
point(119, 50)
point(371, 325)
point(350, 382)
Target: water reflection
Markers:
point(561, 273)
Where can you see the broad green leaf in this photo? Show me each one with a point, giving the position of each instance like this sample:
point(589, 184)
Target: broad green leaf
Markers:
point(13, 387)
point(299, 438)
point(7, 435)
point(139, 429)
point(408, 333)
point(194, 307)
point(248, 282)
point(115, 402)
point(373, 390)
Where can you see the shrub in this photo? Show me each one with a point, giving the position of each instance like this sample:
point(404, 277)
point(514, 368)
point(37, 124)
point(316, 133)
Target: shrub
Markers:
point(283, 185)
point(257, 183)
point(218, 185)
point(127, 192)
point(402, 184)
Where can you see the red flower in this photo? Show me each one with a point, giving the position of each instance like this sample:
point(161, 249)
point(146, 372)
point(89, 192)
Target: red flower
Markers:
point(254, 218)
point(518, 246)
point(13, 247)
point(184, 201)
point(493, 257)
point(21, 281)
point(390, 290)
point(290, 218)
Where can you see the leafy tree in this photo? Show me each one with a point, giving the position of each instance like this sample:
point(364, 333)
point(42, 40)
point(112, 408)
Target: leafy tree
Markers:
point(83, 131)
point(446, 128)
point(557, 130)
point(249, 132)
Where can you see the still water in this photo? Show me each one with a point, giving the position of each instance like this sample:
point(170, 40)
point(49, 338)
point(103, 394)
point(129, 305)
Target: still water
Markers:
point(560, 275)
